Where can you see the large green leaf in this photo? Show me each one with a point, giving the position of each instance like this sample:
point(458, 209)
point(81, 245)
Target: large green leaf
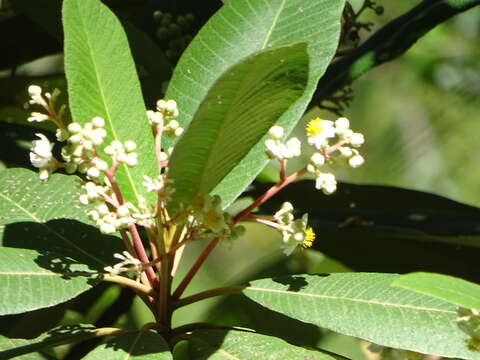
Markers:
point(239, 109)
point(47, 217)
point(221, 344)
point(456, 291)
point(364, 305)
point(242, 28)
point(387, 229)
point(102, 82)
point(140, 345)
point(30, 281)
point(14, 348)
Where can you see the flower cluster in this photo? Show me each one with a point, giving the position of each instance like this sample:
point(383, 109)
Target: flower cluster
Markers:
point(111, 221)
point(211, 220)
point(127, 263)
point(80, 152)
point(329, 139)
point(295, 232)
point(48, 105)
point(277, 149)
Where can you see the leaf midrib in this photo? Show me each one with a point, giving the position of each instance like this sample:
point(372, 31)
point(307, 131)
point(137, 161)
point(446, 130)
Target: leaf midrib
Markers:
point(370, 302)
point(107, 109)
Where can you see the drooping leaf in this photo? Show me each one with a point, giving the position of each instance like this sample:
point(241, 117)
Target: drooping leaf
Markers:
point(12, 348)
point(47, 217)
point(387, 229)
point(456, 291)
point(238, 30)
point(139, 345)
point(102, 81)
point(222, 344)
point(239, 109)
point(364, 305)
point(30, 281)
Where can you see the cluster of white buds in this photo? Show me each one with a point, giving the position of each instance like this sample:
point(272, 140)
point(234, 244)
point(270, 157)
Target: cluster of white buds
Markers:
point(79, 153)
point(469, 322)
point(94, 192)
point(41, 156)
point(277, 149)
point(320, 133)
point(127, 263)
point(166, 110)
point(123, 153)
point(295, 232)
point(111, 221)
point(323, 181)
point(36, 98)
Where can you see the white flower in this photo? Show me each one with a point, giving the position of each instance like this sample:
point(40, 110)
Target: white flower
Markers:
point(154, 117)
point(294, 148)
point(342, 123)
point(168, 108)
point(276, 132)
point(37, 117)
point(326, 182)
point(41, 152)
point(356, 161)
point(357, 139)
point(319, 131)
point(317, 159)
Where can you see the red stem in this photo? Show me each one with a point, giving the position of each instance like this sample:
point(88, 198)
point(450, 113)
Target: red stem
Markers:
point(203, 256)
point(194, 269)
point(142, 255)
point(268, 194)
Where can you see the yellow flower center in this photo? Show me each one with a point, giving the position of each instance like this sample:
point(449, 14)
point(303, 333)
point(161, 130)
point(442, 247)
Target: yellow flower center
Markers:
point(315, 127)
point(309, 238)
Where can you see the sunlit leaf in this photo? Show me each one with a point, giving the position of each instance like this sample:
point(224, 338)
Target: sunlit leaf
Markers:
point(238, 110)
point(102, 81)
point(364, 305)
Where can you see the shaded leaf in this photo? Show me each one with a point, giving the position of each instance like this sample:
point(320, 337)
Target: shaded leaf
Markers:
point(140, 345)
point(238, 30)
point(221, 344)
point(238, 110)
point(102, 81)
point(47, 217)
point(11, 348)
point(364, 305)
point(387, 229)
point(30, 281)
point(456, 291)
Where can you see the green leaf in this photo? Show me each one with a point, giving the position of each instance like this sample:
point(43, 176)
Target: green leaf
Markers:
point(239, 109)
point(31, 281)
point(222, 344)
point(47, 217)
point(456, 291)
point(102, 81)
point(387, 229)
point(140, 345)
point(238, 30)
point(11, 348)
point(364, 305)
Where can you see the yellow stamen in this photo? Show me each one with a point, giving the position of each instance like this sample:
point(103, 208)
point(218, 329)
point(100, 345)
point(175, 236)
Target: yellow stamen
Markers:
point(309, 238)
point(315, 127)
